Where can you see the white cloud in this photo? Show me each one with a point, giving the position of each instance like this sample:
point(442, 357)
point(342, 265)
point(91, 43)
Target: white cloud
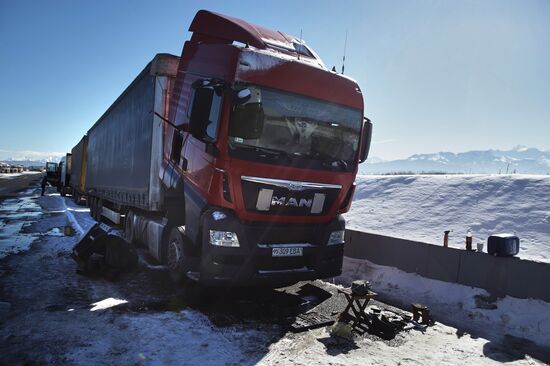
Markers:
point(29, 155)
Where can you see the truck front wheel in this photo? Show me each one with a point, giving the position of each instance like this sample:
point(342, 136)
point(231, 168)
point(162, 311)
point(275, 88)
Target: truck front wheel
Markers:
point(175, 256)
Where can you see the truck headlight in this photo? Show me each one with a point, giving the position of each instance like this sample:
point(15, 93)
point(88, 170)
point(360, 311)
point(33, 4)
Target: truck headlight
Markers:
point(224, 239)
point(336, 237)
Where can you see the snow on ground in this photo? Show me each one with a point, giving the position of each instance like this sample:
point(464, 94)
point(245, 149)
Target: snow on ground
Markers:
point(56, 316)
point(456, 304)
point(15, 215)
point(422, 207)
point(15, 175)
point(438, 345)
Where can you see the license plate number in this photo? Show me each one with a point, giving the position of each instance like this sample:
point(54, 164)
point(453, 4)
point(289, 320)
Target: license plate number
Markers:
point(287, 252)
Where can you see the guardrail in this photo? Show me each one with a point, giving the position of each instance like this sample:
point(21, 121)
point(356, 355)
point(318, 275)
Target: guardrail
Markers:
point(499, 275)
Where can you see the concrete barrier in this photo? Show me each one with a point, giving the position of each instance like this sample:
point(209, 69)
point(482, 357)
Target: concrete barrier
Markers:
point(499, 275)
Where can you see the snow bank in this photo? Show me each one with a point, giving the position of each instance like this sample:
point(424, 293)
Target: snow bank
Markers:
point(461, 306)
point(422, 207)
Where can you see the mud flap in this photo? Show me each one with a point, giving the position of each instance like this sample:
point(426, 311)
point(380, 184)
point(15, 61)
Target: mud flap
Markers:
point(103, 252)
point(89, 243)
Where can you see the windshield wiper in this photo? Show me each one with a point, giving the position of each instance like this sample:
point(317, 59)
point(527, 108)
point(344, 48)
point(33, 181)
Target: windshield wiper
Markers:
point(264, 152)
point(340, 163)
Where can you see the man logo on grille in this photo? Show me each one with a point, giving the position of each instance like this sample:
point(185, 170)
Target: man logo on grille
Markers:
point(291, 201)
point(295, 187)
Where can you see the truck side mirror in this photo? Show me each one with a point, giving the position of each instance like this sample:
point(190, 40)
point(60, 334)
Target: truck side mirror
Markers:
point(365, 140)
point(242, 96)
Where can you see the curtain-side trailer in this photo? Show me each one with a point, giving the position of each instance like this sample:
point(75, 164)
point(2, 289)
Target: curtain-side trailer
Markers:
point(77, 180)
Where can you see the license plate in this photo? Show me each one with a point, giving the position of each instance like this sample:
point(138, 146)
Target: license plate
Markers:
point(287, 252)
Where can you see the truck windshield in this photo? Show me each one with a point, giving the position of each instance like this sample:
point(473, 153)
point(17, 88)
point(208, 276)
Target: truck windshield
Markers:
point(51, 167)
point(295, 126)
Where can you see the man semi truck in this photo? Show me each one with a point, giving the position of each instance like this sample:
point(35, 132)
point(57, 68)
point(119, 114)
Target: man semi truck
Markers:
point(234, 163)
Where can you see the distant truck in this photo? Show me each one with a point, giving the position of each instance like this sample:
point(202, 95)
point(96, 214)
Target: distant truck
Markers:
point(6, 168)
point(234, 163)
point(52, 173)
point(64, 172)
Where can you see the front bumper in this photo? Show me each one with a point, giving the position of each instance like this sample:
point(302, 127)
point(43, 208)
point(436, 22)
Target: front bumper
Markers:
point(252, 262)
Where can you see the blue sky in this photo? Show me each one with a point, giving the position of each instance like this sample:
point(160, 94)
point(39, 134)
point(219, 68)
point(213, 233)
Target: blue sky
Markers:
point(436, 75)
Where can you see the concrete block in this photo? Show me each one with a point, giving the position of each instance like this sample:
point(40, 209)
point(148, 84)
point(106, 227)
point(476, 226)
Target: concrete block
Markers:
point(498, 275)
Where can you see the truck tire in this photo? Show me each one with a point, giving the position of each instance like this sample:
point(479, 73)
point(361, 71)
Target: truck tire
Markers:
point(91, 206)
point(99, 208)
point(175, 257)
point(95, 208)
point(129, 227)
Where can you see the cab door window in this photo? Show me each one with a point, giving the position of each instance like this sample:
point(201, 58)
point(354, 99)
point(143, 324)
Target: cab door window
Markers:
point(204, 114)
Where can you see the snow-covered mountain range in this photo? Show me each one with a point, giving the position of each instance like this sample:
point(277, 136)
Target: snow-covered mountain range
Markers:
point(31, 162)
point(520, 159)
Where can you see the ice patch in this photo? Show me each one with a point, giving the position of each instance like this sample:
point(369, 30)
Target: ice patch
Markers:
point(16, 213)
point(107, 303)
point(16, 244)
point(54, 232)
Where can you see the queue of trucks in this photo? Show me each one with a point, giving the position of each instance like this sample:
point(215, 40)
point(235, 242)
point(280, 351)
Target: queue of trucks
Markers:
point(233, 163)
point(59, 174)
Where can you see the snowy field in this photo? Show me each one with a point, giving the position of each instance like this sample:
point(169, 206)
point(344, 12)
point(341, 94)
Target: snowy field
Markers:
point(51, 315)
point(422, 207)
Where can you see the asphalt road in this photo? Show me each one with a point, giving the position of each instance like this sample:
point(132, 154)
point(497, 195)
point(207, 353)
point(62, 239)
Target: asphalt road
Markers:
point(10, 185)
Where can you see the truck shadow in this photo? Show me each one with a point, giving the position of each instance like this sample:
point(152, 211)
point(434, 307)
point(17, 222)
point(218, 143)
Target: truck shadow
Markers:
point(152, 291)
point(512, 348)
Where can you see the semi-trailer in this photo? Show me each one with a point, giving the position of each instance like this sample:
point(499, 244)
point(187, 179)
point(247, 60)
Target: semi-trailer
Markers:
point(233, 163)
point(52, 173)
point(77, 180)
point(64, 172)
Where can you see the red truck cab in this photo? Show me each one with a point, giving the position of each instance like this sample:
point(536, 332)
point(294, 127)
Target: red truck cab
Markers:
point(261, 150)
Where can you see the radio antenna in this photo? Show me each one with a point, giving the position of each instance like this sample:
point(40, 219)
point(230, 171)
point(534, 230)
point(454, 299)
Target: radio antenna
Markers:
point(344, 57)
point(301, 41)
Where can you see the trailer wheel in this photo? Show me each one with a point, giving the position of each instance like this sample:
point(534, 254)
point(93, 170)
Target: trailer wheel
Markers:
point(175, 257)
point(99, 208)
point(94, 206)
point(129, 227)
point(91, 205)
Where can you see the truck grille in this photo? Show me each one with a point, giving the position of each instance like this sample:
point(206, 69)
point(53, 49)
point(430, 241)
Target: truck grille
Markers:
point(283, 197)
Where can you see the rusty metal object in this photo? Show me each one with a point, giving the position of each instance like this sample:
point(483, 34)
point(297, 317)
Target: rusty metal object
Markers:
point(420, 311)
point(446, 238)
point(68, 230)
point(360, 287)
